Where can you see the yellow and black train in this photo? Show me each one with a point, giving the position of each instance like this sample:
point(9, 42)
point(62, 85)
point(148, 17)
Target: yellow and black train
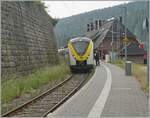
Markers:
point(80, 54)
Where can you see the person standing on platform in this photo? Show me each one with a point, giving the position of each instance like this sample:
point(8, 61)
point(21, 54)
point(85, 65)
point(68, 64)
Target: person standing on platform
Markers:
point(96, 57)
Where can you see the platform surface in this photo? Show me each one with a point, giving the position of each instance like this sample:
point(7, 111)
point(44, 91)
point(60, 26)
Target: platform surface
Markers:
point(125, 97)
point(82, 102)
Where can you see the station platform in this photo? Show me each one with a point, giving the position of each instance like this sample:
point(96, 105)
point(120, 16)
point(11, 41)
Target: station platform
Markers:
point(126, 99)
point(109, 93)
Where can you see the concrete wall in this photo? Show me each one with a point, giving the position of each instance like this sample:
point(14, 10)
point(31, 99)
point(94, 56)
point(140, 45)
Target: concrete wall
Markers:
point(27, 38)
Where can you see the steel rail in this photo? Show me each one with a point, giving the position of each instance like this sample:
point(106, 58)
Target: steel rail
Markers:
point(36, 98)
point(65, 98)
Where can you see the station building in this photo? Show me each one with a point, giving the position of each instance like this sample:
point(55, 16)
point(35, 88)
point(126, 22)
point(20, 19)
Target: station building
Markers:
point(108, 36)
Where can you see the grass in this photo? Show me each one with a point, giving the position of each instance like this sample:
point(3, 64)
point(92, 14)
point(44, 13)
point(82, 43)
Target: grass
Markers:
point(14, 88)
point(139, 71)
point(119, 63)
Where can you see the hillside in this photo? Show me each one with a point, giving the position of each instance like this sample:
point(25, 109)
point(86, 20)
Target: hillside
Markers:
point(76, 25)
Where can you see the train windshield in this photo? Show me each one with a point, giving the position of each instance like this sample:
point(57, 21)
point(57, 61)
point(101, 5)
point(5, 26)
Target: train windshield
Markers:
point(80, 46)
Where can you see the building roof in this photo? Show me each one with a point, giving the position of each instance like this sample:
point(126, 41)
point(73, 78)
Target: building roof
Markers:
point(133, 49)
point(98, 35)
point(105, 31)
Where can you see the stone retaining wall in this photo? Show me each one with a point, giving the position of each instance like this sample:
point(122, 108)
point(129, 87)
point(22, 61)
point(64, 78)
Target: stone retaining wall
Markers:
point(27, 38)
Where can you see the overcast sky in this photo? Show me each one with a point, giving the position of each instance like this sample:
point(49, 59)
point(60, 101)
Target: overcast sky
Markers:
point(60, 9)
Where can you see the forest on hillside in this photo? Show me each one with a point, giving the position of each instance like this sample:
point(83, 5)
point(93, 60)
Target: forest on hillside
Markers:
point(76, 25)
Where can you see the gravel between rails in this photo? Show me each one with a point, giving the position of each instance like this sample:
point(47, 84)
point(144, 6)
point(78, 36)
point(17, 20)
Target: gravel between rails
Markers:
point(39, 107)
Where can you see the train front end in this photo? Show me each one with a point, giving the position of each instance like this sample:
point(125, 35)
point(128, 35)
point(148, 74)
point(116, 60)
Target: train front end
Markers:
point(81, 54)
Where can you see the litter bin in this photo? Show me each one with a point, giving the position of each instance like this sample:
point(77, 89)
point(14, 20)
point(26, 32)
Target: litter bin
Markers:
point(128, 68)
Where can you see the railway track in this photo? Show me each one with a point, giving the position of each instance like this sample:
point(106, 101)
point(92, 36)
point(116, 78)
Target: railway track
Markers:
point(50, 100)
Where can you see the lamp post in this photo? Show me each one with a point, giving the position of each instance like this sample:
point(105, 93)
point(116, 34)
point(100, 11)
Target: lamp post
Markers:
point(112, 41)
point(146, 28)
point(125, 40)
point(125, 31)
point(125, 27)
point(125, 36)
point(118, 37)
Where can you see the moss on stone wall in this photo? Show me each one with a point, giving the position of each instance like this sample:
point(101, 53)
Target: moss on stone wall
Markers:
point(27, 38)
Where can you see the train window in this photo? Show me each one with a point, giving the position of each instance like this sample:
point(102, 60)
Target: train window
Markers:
point(80, 46)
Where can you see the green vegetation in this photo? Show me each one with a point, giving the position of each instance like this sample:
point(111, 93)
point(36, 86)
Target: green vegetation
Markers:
point(41, 5)
point(118, 62)
point(76, 25)
point(139, 71)
point(16, 87)
point(54, 21)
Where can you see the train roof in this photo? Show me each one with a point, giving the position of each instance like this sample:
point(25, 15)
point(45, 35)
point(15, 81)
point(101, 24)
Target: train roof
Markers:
point(80, 39)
